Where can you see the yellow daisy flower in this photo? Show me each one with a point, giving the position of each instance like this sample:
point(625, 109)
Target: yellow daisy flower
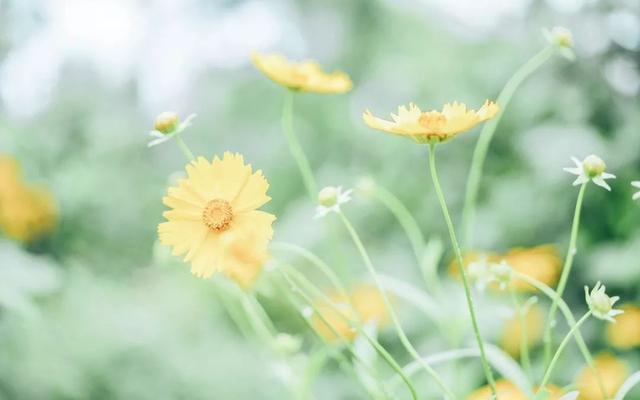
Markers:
point(612, 371)
point(509, 391)
point(328, 321)
point(541, 263)
point(214, 219)
point(511, 337)
point(625, 333)
point(306, 76)
point(432, 126)
point(27, 213)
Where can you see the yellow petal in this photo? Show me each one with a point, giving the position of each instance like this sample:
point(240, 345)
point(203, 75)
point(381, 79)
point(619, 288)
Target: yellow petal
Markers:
point(253, 194)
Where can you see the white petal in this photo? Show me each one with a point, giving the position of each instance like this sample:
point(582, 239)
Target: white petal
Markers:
point(581, 179)
point(159, 140)
point(606, 175)
point(577, 162)
point(636, 184)
point(186, 123)
point(575, 171)
point(636, 196)
point(600, 182)
point(156, 134)
point(321, 211)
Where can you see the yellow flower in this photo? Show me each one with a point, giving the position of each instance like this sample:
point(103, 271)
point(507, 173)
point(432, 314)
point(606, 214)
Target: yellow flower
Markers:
point(512, 332)
point(625, 333)
point(9, 174)
point(509, 391)
point(368, 307)
point(27, 213)
point(541, 263)
point(612, 371)
point(306, 76)
point(215, 219)
point(432, 126)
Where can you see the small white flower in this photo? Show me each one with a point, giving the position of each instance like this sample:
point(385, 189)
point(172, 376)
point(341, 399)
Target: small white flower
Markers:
point(636, 185)
point(600, 304)
point(562, 39)
point(501, 273)
point(592, 169)
point(479, 273)
point(330, 199)
point(167, 126)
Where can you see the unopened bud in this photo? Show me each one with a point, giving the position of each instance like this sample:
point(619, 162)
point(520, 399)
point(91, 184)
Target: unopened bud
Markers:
point(167, 122)
point(328, 196)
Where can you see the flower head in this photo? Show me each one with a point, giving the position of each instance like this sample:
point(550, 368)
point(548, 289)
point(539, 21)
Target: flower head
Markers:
point(166, 126)
point(591, 168)
point(512, 334)
point(625, 333)
point(432, 126)
point(306, 76)
point(214, 218)
point(560, 36)
point(600, 304)
point(330, 199)
point(611, 370)
point(636, 184)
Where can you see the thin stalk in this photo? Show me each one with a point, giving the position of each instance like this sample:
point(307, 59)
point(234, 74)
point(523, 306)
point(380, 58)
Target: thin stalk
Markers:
point(571, 321)
point(394, 317)
point(376, 345)
point(456, 248)
point(484, 140)
point(566, 269)
point(295, 148)
point(524, 340)
point(412, 230)
point(184, 148)
point(563, 344)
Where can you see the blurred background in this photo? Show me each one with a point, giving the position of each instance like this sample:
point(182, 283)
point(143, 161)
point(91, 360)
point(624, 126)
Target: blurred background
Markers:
point(94, 308)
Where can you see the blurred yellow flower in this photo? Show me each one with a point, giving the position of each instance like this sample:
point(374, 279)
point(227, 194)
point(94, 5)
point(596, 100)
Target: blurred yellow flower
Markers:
point(306, 76)
point(27, 213)
point(509, 391)
point(432, 126)
point(215, 221)
point(612, 371)
point(541, 263)
point(368, 307)
point(9, 174)
point(512, 333)
point(625, 333)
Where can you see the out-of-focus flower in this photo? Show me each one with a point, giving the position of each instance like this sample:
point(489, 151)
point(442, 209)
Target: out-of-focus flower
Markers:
point(511, 337)
point(560, 36)
point(9, 174)
point(600, 304)
point(636, 184)
point(612, 371)
point(501, 274)
point(368, 308)
point(330, 199)
point(509, 391)
point(592, 169)
point(432, 126)
point(306, 76)
point(168, 125)
point(540, 262)
point(27, 213)
point(625, 333)
point(214, 218)
point(366, 186)
point(287, 344)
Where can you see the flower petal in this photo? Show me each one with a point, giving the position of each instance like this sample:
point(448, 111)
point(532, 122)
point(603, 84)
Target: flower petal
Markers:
point(253, 194)
point(601, 182)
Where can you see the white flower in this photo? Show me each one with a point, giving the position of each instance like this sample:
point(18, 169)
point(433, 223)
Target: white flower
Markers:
point(591, 168)
point(501, 273)
point(330, 199)
point(600, 304)
point(167, 126)
point(560, 36)
point(479, 273)
point(636, 185)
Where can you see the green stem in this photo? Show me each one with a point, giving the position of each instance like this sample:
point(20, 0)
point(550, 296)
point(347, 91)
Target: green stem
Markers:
point(413, 232)
point(566, 269)
point(376, 345)
point(394, 318)
point(482, 146)
point(563, 344)
point(571, 321)
point(295, 148)
point(524, 340)
point(463, 273)
point(184, 148)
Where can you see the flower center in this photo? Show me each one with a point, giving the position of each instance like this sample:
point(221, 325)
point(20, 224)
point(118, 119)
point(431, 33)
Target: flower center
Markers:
point(217, 215)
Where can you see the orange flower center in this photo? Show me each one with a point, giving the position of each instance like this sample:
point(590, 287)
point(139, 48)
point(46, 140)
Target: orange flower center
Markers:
point(217, 215)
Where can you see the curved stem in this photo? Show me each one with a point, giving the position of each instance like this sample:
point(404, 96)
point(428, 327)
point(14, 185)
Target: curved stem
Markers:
point(295, 148)
point(463, 273)
point(524, 340)
point(571, 321)
point(184, 148)
point(412, 230)
point(563, 344)
point(484, 140)
point(394, 317)
point(315, 261)
point(566, 269)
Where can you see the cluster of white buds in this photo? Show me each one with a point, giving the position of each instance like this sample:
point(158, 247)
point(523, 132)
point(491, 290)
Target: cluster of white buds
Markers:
point(562, 39)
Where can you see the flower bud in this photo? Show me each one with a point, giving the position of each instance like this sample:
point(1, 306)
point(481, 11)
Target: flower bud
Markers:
point(593, 166)
point(561, 37)
point(600, 303)
point(328, 196)
point(501, 273)
point(167, 122)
